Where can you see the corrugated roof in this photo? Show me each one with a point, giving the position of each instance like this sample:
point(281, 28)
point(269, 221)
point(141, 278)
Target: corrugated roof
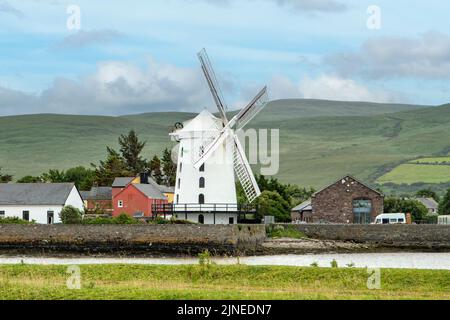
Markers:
point(305, 206)
point(122, 182)
point(150, 191)
point(35, 193)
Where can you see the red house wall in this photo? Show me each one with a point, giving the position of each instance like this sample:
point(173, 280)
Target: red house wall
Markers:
point(134, 201)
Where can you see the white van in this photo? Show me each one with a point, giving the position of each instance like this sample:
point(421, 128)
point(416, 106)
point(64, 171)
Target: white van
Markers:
point(391, 218)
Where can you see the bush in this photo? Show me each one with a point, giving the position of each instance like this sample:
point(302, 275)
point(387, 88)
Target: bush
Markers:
point(287, 231)
point(71, 215)
point(124, 218)
point(14, 220)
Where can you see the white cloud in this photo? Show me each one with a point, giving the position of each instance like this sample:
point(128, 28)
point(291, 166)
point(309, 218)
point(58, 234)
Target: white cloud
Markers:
point(116, 88)
point(299, 5)
point(328, 87)
point(7, 8)
point(390, 57)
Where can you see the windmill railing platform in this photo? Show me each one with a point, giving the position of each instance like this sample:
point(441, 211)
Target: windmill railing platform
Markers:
point(244, 210)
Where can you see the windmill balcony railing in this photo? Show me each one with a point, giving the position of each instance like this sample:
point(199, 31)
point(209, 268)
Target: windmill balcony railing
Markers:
point(217, 208)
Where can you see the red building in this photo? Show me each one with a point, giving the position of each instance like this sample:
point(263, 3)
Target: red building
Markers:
point(136, 200)
point(98, 199)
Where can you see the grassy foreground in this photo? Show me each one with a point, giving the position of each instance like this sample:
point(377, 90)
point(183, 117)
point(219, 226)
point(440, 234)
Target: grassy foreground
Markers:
point(218, 282)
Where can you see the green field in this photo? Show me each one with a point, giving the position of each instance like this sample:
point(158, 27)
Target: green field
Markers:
point(412, 173)
point(218, 283)
point(320, 140)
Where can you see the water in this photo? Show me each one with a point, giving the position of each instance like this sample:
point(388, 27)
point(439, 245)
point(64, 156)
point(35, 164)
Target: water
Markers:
point(402, 260)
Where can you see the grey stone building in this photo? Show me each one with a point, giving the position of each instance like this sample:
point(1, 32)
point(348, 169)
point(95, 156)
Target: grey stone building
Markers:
point(347, 201)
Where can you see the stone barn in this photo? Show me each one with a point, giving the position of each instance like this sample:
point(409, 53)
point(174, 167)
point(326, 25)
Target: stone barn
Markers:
point(347, 201)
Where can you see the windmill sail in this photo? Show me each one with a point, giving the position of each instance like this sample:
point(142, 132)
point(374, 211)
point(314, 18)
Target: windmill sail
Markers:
point(252, 109)
point(213, 85)
point(244, 172)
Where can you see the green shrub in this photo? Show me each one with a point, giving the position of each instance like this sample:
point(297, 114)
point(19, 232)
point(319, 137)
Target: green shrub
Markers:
point(98, 220)
point(286, 231)
point(71, 215)
point(124, 218)
point(14, 220)
point(334, 264)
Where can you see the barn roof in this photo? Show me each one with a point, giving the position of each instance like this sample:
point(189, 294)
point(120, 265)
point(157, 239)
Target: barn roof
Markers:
point(150, 191)
point(305, 206)
point(99, 193)
point(122, 182)
point(35, 193)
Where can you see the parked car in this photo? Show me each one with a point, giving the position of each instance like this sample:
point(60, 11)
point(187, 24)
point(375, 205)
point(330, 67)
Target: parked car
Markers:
point(391, 218)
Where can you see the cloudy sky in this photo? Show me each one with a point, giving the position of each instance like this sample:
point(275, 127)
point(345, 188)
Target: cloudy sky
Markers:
point(140, 56)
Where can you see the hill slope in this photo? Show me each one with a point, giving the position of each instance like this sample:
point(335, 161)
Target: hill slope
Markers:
point(320, 140)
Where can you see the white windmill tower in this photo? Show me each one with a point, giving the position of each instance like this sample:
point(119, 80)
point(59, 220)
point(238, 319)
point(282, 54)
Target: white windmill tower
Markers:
point(209, 157)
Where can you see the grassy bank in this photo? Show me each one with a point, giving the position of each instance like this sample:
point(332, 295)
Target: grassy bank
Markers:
point(218, 282)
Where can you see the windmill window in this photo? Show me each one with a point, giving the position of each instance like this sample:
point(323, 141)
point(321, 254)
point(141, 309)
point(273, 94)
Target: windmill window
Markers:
point(178, 198)
point(202, 183)
point(179, 183)
point(201, 199)
point(202, 168)
point(181, 167)
point(182, 152)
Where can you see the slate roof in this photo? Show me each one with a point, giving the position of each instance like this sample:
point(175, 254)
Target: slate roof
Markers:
point(99, 193)
point(150, 191)
point(430, 203)
point(35, 193)
point(305, 206)
point(122, 182)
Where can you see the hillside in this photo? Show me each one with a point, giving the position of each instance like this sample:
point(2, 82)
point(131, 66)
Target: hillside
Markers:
point(320, 140)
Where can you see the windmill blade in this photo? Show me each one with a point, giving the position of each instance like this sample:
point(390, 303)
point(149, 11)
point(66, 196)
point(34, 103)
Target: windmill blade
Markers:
point(211, 148)
point(252, 109)
point(244, 172)
point(213, 85)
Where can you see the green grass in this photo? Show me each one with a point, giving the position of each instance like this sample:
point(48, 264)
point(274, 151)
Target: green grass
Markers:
point(412, 173)
point(218, 283)
point(320, 140)
point(287, 231)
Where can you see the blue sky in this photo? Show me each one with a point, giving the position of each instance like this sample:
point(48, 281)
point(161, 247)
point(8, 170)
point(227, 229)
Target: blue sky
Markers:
point(140, 56)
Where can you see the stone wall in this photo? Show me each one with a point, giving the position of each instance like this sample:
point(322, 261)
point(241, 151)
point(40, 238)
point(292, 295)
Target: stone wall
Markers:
point(335, 203)
point(151, 239)
point(398, 236)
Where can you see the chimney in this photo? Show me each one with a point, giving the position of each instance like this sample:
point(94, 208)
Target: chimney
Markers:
point(144, 178)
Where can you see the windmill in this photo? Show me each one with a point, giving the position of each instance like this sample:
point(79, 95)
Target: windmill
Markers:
point(210, 156)
point(241, 165)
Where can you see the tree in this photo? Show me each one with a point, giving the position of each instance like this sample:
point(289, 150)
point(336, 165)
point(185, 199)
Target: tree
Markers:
point(444, 205)
point(54, 176)
point(81, 176)
point(5, 178)
point(271, 203)
point(70, 215)
point(113, 167)
point(427, 193)
point(169, 168)
point(30, 179)
point(417, 209)
point(155, 170)
point(131, 148)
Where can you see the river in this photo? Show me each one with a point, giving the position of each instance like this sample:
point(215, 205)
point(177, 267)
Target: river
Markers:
point(409, 260)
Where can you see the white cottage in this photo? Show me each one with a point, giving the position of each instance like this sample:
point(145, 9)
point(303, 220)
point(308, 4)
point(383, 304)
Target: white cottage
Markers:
point(41, 202)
